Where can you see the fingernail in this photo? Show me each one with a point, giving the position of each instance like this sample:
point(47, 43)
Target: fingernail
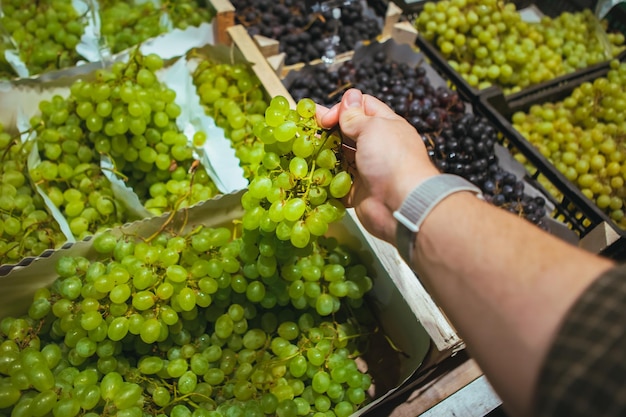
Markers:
point(353, 98)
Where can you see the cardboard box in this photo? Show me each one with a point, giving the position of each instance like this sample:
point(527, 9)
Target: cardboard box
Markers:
point(393, 305)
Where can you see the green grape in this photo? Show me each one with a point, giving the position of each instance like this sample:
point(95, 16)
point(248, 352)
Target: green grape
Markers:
point(298, 167)
point(306, 108)
point(300, 234)
point(294, 209)
point(324, 304)
point(260, 187)
point(66, 407)
point(340, 184)
point(284, 131)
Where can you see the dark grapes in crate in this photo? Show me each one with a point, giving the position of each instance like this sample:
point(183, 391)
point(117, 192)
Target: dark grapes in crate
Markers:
point(304, 35)
point(458, 142)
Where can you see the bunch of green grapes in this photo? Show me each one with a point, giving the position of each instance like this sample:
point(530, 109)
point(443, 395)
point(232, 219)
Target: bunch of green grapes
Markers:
point(125, 24)
point(582, 135)
point(296, 191)
point(185, 13)
point(69, 170)
point(131, 116)
point(45, 33)
point(233, 96)
point(126, 114)
point(26, 227)
point(290, 202)
point(166, 327)
point(488, 43)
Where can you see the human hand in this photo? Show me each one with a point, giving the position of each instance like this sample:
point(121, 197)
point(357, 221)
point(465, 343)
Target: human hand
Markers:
point(390, 158)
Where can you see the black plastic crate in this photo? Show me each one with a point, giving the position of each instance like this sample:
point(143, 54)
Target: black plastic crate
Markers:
point(616, 19)
point(580, 213)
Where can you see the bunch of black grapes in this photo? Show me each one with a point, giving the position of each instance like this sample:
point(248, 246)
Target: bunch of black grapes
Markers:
point(458, 141)
point(304, 34)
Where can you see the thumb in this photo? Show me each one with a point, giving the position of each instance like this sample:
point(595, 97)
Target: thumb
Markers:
point(352, 113)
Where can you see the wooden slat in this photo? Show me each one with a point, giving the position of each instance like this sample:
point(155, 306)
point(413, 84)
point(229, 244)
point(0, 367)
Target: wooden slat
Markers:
point(476, 399)
point(391, 18)
point(261, 67)
point(267, 46)
point(224, 19)
point(598, 239)
point(404, 33)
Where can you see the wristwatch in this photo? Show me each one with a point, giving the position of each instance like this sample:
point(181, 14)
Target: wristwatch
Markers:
point(420, 202)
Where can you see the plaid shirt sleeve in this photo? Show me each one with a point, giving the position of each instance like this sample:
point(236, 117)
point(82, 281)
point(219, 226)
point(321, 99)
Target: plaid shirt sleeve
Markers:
point(584, 373)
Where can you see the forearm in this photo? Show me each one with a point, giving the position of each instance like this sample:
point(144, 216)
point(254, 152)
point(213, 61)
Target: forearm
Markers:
point(505, 285)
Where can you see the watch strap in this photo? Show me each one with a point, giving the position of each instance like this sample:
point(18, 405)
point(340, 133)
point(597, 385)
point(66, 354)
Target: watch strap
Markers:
point(420, 202)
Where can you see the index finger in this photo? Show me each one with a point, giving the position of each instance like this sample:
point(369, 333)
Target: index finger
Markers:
point(326, 117)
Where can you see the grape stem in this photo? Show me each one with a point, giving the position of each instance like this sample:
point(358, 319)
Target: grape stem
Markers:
point(310, 181)
point(11, 246)
point(171, 216)
point(14, 139)
point(339, 89)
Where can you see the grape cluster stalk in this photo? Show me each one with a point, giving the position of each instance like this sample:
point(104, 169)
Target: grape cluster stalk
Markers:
point(458, 142)
point(26, 228)
point(583, 137)
point(489, 43)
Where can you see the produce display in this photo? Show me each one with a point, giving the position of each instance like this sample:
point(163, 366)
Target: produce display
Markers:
point(264, 319)
point(458, 142)
point(265, 314)
point(488, 42)
point(582, 135)
point(44, 35)
point(305, 34)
